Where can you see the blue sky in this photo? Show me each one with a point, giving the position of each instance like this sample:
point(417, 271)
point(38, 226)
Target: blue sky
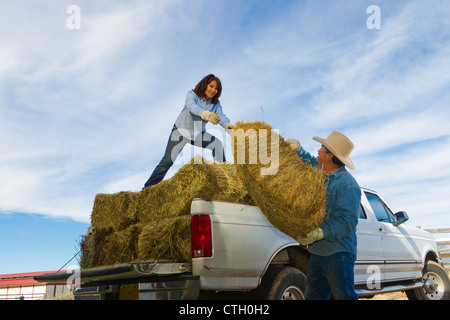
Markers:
point(86, 111)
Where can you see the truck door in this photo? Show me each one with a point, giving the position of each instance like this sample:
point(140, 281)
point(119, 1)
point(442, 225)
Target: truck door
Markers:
point(369, 265)
point(401, 258)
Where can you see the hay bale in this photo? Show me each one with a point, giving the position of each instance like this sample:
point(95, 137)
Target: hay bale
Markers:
point(108, 247)
point(166, 239)
point(289, 192)
point(163, 240)
point(117, 211)
point(92, 248)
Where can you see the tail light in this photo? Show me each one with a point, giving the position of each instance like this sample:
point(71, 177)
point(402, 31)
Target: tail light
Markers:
point(201, 237)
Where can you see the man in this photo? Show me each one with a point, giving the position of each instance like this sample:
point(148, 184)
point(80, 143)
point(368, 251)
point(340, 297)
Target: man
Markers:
point(333, 244)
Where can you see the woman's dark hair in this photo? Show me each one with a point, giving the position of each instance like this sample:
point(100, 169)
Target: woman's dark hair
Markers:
point(200, 88)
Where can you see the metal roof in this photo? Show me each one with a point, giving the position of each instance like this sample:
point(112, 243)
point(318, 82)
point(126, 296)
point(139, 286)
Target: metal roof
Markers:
point(21, 279)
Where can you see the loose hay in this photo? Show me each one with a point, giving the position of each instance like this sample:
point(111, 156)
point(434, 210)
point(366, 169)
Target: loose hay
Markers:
point(154, 223)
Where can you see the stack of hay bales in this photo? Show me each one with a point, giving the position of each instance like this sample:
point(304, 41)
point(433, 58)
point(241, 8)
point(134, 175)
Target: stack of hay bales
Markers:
point(155, 223)
point(141, 226)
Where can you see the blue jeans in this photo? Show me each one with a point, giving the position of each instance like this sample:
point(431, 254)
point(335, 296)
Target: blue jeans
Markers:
point(331, 275)
point(174, 146)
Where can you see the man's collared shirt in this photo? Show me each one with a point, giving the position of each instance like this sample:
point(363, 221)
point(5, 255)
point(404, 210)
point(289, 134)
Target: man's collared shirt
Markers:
point(343, 201)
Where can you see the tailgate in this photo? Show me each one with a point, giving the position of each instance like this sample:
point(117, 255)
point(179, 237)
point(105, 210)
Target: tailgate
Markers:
point(126, 271)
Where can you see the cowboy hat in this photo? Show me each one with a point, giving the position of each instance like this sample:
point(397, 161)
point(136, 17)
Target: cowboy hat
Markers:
point(340, 146)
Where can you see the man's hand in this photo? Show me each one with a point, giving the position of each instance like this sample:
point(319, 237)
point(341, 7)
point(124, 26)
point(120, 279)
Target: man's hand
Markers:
point(210, 116)
point(294, 144)
point(311, 237)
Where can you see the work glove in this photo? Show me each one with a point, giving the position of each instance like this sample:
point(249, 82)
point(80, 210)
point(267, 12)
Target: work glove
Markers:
point(229, 127)
point(311, 237)
point(210, 116)
point(294, 144)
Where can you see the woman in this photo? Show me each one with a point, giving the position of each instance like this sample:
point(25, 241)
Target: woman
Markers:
point(202, 105)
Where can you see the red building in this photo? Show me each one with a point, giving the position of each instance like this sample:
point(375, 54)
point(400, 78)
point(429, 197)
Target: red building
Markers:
point(16, 286)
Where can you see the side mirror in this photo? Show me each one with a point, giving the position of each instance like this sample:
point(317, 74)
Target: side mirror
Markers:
point(400, 217)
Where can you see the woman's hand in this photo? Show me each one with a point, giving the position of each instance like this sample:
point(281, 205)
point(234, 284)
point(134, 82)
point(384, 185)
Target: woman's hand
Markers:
point(229, 128)
point(210, 116)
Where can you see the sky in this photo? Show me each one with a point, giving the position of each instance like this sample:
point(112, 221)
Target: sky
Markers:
point(89, 91)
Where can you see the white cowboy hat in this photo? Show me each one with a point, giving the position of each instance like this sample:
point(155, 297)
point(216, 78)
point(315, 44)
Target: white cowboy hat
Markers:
point(340, 146)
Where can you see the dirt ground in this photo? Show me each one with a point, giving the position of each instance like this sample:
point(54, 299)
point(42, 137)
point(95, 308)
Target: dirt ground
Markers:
point(390, 296)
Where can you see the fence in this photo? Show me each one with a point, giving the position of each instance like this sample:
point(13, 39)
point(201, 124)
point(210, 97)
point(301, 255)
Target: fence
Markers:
point(443, 247)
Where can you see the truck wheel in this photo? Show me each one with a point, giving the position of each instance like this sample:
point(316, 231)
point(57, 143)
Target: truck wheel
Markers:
point(436, 284)
point(283, 283)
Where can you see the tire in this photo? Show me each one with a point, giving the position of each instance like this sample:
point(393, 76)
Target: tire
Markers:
point(282, 283)
point(436, 284)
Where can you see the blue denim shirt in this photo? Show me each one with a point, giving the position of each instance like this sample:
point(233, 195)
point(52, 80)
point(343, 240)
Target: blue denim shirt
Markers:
point(189, 119)
point(343, 201)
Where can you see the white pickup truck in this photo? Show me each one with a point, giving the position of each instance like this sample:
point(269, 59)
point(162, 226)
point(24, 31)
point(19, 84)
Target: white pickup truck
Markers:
point(237, 253)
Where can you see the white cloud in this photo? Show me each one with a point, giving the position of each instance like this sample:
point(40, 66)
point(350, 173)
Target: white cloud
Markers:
point(65, 113)
point(413, 164)
point(381, 136)
point(396, 69)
